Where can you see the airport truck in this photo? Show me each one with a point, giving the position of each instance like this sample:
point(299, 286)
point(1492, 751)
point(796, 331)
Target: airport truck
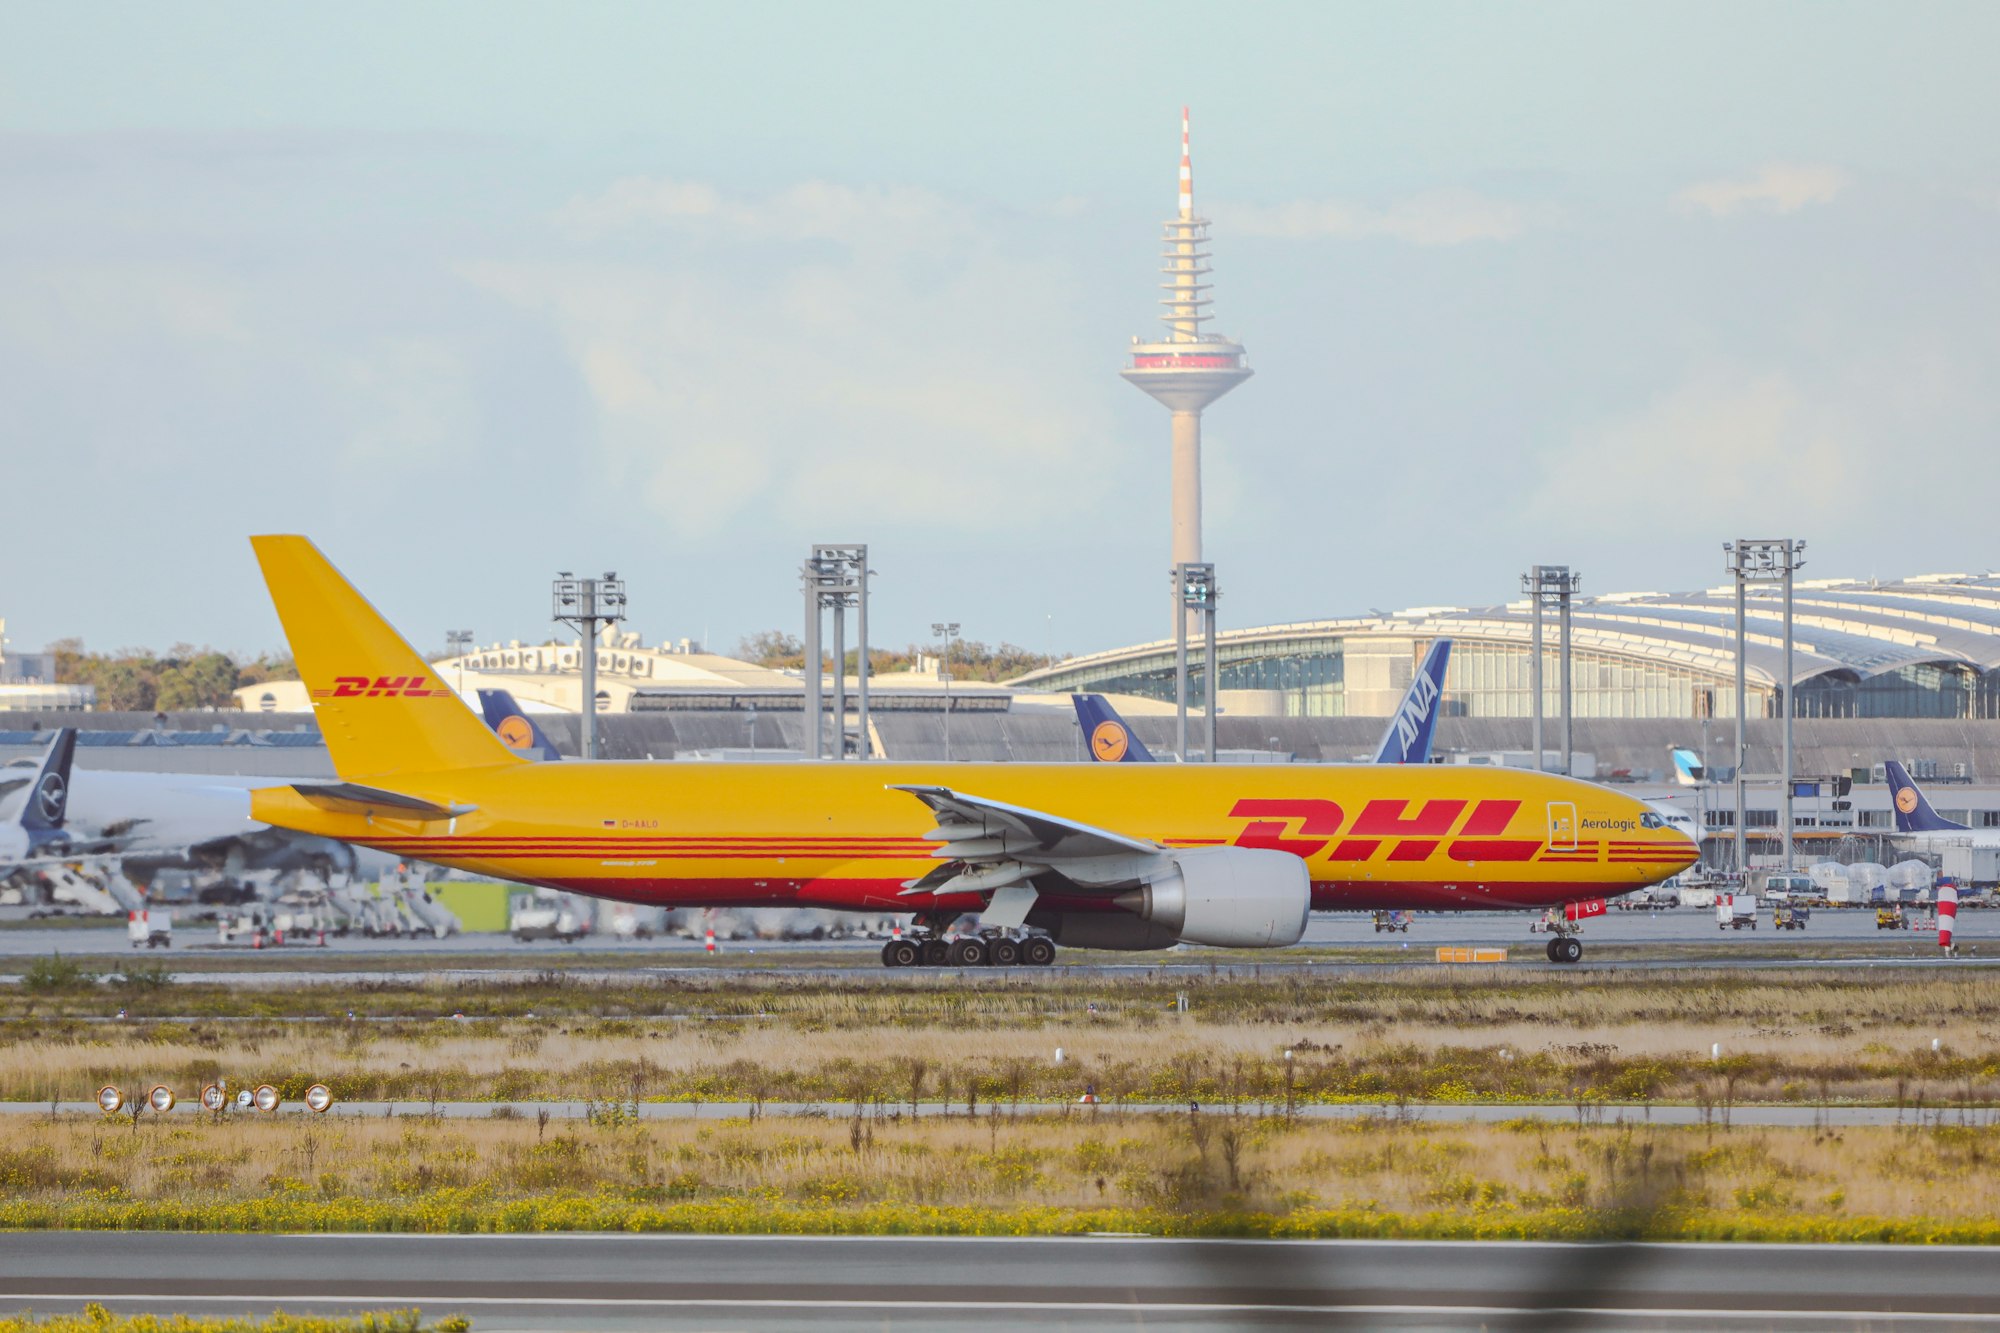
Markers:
point(1790, 916)
point(1966, 865)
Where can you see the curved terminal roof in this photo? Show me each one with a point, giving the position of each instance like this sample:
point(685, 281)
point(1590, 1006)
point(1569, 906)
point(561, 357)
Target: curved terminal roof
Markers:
point(1853, 629)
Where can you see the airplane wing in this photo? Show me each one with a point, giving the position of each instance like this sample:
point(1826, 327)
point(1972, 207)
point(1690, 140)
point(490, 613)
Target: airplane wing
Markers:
point(990, 845)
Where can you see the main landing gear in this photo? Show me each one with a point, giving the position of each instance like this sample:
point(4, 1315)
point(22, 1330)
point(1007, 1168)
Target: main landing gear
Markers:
point(1565, 947)
point(927, 947)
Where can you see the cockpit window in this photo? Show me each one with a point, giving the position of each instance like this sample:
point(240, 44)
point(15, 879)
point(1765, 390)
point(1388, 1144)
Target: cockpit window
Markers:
point(1651, 820)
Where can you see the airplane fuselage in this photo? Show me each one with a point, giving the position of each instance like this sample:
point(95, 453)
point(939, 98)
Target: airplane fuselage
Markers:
point(835, 835)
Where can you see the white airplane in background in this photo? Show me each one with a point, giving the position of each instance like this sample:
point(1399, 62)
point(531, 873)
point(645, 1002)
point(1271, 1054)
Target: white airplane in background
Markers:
point(34, 816)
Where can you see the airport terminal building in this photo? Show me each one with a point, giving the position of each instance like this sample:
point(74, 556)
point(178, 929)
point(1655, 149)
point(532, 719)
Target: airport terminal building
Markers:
point(1924, 647)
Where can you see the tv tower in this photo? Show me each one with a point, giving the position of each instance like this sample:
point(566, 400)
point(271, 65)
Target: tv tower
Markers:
point(1187, 369)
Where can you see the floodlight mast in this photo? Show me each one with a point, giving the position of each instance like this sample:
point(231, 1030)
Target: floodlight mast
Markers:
point(457, 643)
point(585, 605)
point(1763, 560)
point(1552, 586)
point(946, 630)
point(835, 577)
point(1195, 594)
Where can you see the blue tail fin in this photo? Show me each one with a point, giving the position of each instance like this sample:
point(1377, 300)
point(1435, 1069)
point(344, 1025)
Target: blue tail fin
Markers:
point(1408, 739)
point(1913, 812)
point(1110, 740)
point(514, 727)
point(45, 801)
point(1688, 770)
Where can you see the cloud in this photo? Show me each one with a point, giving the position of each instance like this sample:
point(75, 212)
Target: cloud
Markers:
point(919, 362)
point(808, 211)
point(1778, 188)
point(1434, 217)
point(1739, 449)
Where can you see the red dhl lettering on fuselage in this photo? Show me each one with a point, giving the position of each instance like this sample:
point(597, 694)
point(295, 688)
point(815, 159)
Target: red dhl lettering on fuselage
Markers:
point(381, 687)
point(1307, 828)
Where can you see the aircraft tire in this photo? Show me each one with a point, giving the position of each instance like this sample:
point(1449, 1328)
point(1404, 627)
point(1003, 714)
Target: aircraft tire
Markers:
point(901, 953)
point(935, 952)
point(1570, 950)
point(1004, 953)
point(966, 953)
point(1550, 950)
point(1038, 951)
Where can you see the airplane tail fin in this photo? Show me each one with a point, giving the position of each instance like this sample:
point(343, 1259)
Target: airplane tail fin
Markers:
point(380, 706)
point(515, 728)
point(1109, 739)
point(45, 802)
point(1408, 738)
point(1688, 770)
point(1913, 811)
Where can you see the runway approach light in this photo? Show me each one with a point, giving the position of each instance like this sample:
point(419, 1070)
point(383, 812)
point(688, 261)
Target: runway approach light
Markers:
point(213, 1098)
point(319, 1097)
point(243, 1102)
point(109, 1099)
point(161, 1099)
point(267, 1098)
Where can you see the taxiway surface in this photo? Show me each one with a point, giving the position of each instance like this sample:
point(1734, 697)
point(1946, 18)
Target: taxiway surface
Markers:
point(620, 1282)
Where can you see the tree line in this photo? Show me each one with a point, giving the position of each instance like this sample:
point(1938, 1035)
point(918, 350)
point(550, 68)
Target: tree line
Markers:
point(183, 679)
point(970, 659)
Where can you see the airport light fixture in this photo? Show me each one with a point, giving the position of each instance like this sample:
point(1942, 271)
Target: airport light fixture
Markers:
point(834, 577)
point(947, 630)
point(457, 643)
point(586, 605)
point(1763, 560)
point(1195, 595)
point(1551, 587)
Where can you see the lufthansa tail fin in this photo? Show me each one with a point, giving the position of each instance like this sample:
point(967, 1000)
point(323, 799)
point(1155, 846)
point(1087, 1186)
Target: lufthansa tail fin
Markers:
point(379, 705)
point(515, 728)
point(1688, 768)
point(1408, 739)
point(1106, 734)
point(1913, 812)
point(45, 801)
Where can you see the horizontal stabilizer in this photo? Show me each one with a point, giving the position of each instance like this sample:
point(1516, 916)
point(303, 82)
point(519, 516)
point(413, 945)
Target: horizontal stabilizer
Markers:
point(352, 796)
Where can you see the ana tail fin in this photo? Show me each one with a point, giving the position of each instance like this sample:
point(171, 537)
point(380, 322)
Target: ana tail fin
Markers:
point(1408, 738)
point(515, 728)
point(379, 705)
point(1913, 811)
point(1106, 734)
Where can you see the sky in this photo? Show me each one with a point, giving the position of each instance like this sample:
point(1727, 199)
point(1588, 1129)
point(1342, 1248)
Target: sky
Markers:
point(474, 293)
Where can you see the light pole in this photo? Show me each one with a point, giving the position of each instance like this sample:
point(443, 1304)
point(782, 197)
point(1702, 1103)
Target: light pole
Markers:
point(1195, 594)
point(1551, 586)
point(753, 731)
point(456, 642)
point(585, 605)
point(835, 577)
point(946, 630)
point(1763, 560)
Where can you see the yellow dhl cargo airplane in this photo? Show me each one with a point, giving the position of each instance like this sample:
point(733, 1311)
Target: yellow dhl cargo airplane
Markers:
point(1117, 856)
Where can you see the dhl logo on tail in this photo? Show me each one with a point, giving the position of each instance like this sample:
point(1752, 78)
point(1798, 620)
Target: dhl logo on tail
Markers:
point(381, 687)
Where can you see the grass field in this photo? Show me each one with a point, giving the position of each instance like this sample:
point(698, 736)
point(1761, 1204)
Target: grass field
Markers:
point(1069, 1171)
point(1420, 1033)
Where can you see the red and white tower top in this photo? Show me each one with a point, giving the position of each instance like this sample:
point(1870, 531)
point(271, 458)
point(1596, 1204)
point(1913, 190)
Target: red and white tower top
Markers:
point(1188, 368)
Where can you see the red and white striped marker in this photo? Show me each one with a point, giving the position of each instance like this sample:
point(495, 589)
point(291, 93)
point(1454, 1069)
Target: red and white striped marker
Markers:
point(1947, 905)
point(710, 945)
point(895, 930)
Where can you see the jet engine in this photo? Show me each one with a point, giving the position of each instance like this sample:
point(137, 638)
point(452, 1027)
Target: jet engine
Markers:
point(1235, 897)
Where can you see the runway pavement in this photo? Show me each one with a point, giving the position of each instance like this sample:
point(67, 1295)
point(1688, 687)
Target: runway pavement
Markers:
point(516, 1283)
point(1621, 939)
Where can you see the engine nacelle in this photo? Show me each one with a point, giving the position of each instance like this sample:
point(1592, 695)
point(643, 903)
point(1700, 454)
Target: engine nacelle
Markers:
point(1236, 897)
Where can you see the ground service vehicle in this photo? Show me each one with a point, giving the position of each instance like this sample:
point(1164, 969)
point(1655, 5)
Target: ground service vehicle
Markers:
point(1734, 911)
point(1112, 856)
point(1790, 916)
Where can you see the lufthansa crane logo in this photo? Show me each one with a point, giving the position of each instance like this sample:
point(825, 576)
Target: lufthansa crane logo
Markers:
point(50, 796)
point(1906, 800)
point(1109, 742)
point(516, 732)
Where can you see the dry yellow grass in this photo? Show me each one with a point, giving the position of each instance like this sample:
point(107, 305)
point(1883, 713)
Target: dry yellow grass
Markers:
point(1071, 1161)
